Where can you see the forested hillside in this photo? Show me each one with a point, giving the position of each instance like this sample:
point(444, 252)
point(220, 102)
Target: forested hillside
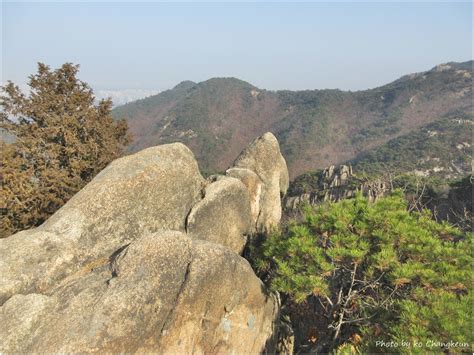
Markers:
point(423, 119)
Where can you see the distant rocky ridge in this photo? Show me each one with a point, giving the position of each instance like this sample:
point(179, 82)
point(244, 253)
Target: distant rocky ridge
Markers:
point(335, 183)
point(449, 201)
point(145, 258)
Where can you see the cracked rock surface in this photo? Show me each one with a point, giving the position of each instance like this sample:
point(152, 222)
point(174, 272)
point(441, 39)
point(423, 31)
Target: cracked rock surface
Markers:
point(137, 194)
point(263, 157)
point(144, 259)
point(167, 292)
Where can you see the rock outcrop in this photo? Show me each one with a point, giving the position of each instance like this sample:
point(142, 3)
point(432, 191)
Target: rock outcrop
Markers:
point(146, 259)
point(335, 184)
point(134, 195)
point(164, 292)
point(264, 159)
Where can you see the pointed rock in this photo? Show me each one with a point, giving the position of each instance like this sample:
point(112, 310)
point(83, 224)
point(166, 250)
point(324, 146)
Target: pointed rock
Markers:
point(264, 158)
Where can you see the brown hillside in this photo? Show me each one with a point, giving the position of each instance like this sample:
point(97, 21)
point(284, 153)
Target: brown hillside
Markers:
point(218, 117)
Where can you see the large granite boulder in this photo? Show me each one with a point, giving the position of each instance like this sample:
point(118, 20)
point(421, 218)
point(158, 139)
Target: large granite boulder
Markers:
point(140, 193)
point(263, 157)
point(164, 292)
point(223, 215)
point(146, 259)
point(223, 307)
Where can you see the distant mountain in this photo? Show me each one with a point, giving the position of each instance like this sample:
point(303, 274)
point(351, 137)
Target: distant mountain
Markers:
point(420, 116)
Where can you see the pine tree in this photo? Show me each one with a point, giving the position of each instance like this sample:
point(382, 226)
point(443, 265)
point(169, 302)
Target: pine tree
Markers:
point(378, 273)
point(62, 140)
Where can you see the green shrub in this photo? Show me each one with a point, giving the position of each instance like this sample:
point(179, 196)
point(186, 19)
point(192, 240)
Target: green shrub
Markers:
point(380, 273)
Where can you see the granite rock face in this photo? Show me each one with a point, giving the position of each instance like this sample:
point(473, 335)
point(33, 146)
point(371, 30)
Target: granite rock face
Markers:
point(254, 187)
point(263, 157)
point(223, 215)
point(164, 292)
point(137, 194)
point(146, 259)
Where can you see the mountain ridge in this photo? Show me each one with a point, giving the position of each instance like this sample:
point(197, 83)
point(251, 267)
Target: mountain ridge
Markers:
point(316, 128)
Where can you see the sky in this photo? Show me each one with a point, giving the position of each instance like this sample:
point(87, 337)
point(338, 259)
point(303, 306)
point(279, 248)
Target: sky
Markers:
point(152, 46)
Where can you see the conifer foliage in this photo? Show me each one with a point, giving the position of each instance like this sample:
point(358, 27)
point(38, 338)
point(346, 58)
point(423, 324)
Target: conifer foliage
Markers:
point(383, 276)
point(62, 139)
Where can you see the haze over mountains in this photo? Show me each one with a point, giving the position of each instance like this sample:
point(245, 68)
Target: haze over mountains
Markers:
point(419, 122)
point(124, 96)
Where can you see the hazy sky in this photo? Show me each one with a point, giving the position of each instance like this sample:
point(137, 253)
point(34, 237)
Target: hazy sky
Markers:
point(271, 45)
